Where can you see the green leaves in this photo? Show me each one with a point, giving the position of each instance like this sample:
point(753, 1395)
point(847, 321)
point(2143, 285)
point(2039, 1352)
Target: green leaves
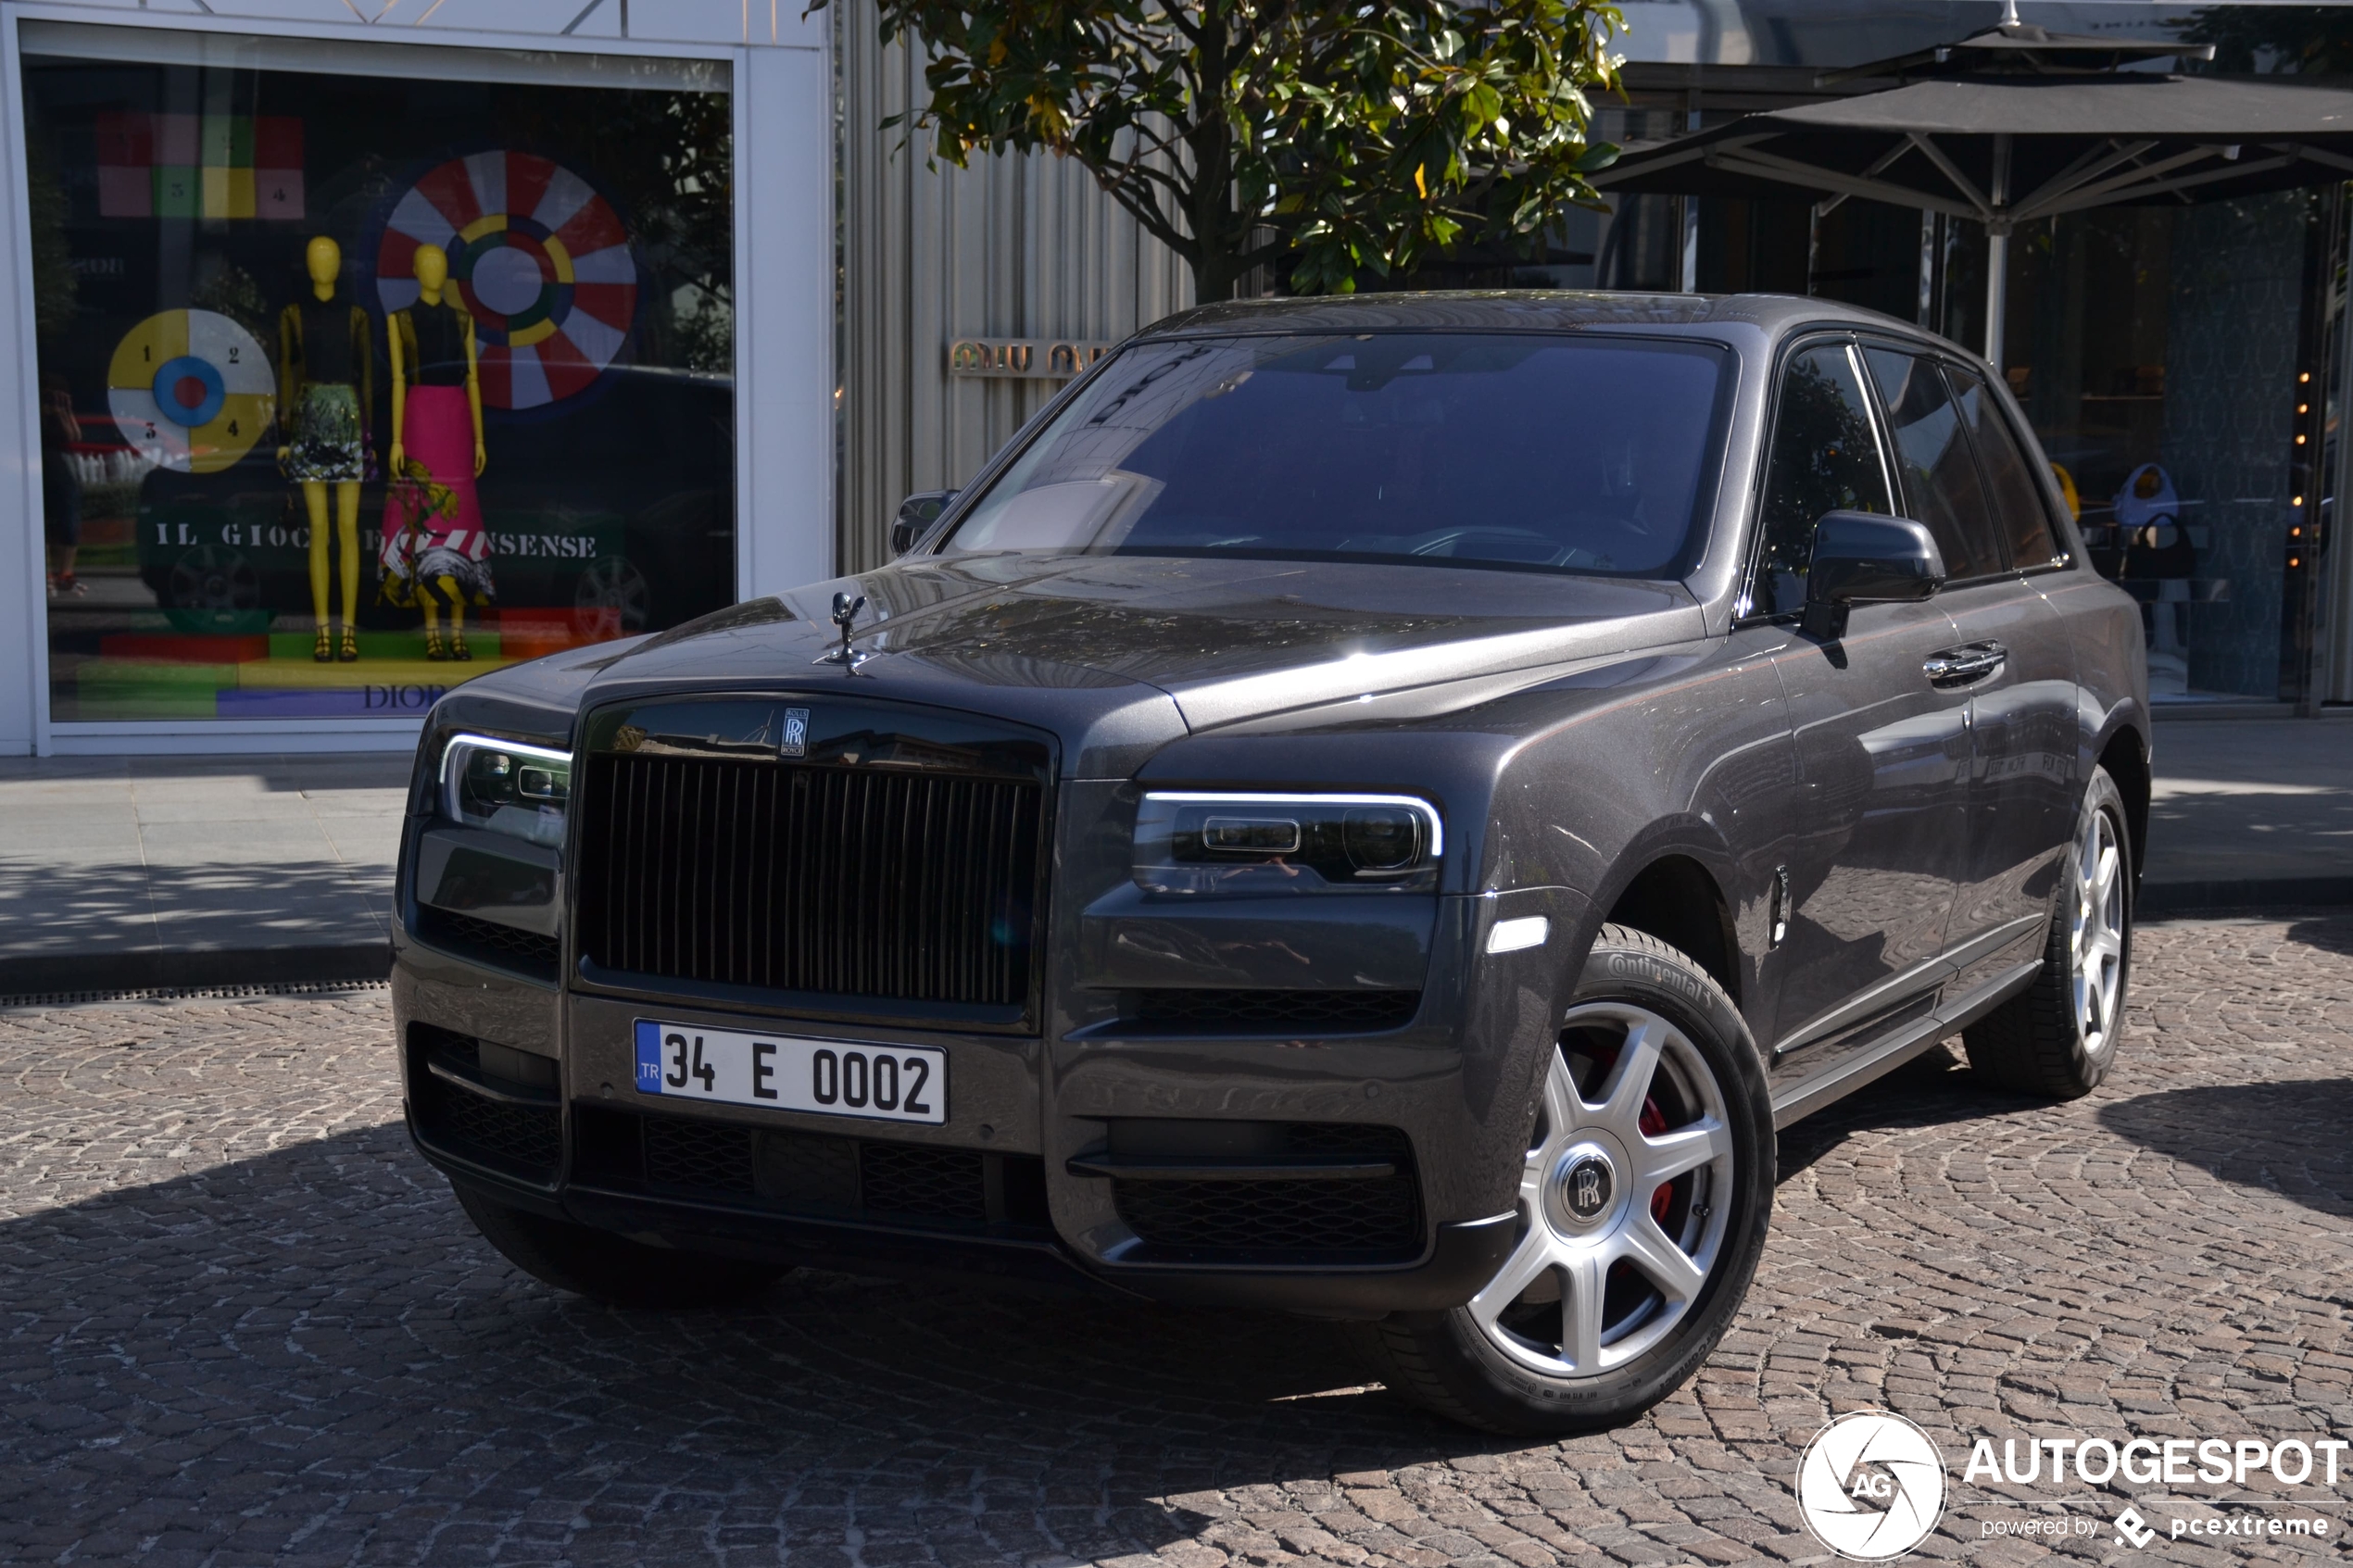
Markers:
point(1243, 132)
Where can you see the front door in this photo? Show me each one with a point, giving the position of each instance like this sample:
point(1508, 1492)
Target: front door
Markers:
point(1883, 751)
point(1883, 758)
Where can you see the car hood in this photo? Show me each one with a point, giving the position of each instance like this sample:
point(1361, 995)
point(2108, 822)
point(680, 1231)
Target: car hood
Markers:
point(1137, 650)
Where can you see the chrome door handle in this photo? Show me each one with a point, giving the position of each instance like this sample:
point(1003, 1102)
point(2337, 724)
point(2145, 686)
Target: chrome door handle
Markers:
point(1958, 667)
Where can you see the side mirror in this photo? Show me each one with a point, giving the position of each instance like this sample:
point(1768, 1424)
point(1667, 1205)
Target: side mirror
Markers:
point(1862, 558)
point(916, 514)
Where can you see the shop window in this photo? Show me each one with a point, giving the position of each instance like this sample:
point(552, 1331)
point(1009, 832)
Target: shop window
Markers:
point(1825, 457)
point(285, 314)
point(1940, 486)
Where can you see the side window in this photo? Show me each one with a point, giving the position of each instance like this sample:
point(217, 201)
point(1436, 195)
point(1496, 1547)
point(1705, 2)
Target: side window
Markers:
point(1825, 457)
point(1939, 479)
point(2018, 507)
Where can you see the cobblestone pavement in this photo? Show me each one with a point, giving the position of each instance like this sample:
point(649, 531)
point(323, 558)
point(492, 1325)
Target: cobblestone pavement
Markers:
point(241, 1322)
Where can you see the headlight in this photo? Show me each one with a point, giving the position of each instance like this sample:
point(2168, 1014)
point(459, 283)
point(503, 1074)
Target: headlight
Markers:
point(1247, 844)
point(518, 790)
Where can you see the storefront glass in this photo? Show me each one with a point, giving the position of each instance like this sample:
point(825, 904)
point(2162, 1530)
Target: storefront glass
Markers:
point(2172, 361)
point(261, 432)
point(2163, 356)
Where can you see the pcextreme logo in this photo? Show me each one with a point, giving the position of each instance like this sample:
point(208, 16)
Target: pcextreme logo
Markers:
point(2131, 1529)
point(1871, 1486)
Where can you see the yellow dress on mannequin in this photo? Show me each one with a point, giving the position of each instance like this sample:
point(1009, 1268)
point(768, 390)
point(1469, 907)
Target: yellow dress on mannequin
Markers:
point(438, 453)
point(326, 393)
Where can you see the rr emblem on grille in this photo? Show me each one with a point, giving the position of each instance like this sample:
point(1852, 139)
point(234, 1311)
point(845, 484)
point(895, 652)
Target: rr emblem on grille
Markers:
point(796, 738)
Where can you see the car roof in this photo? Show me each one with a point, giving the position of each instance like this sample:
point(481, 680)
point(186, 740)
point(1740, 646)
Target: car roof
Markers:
point(1521, 310)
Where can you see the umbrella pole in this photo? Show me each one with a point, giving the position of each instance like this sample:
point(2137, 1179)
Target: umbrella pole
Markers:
point(1997, 253)
point(1997, 268)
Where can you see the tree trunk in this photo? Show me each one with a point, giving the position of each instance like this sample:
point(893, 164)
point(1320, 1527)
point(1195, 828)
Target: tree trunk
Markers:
point(1214, 276)
point(1209, 140)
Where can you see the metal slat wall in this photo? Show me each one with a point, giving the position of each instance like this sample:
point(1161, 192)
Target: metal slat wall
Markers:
point(1009, 247)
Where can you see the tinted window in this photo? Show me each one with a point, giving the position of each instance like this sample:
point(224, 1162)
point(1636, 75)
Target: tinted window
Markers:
point(2018, 510)
point(1825, 457)
point(1940, 486)
point(1575, 456)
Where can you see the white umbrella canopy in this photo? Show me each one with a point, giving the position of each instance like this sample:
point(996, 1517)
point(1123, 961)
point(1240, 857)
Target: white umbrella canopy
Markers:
point(2007, 150)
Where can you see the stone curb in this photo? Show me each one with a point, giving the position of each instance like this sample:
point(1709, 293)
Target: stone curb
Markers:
point(149, 968)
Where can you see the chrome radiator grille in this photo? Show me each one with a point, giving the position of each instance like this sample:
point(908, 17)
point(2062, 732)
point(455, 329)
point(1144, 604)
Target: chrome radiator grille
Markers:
point(910, 886)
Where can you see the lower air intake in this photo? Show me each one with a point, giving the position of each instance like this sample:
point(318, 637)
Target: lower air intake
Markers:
point(1303, 1220)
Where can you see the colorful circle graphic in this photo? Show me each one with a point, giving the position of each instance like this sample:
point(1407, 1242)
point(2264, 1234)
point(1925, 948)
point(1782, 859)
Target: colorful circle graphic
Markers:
point(190, 390)
point(540, 259)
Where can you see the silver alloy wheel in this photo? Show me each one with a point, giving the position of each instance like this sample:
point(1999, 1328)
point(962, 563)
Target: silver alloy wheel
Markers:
point(2096, 942)
point(1585, 1203)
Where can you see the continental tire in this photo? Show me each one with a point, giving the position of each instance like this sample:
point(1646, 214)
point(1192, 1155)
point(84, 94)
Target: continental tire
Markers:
point(608, 1267)
point(2058, 1037)
point(1644, 1199)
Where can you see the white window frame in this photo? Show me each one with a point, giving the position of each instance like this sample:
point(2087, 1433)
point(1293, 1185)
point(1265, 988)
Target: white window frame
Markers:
point(781, 93)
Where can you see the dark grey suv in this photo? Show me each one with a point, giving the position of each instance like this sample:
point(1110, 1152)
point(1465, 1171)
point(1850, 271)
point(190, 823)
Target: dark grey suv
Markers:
point(1374, 807)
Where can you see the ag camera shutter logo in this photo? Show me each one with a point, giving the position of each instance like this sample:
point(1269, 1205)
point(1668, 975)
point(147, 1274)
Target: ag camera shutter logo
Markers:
point(1871, 1486)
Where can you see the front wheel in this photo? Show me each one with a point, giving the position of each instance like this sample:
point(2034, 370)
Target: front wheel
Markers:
point(1643, 1201)
point(2058, 1037)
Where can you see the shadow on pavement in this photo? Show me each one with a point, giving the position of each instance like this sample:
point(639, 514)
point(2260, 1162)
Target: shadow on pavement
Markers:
point(1931, 1091)
point(2330, 932)
point(2292, 1137)
point(95, 927)
point(66, 909)
point(320, 1323)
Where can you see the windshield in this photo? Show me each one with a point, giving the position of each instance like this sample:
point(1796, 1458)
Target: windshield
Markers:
point(1548, 453)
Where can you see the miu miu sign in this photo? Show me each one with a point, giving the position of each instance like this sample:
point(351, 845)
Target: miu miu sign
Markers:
point(1042, 361)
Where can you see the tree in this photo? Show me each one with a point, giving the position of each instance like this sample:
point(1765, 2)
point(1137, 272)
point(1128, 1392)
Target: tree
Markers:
point(1350, 138)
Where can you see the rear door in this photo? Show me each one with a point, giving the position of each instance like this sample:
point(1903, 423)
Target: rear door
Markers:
point(1884, 752)
point(2023, 722)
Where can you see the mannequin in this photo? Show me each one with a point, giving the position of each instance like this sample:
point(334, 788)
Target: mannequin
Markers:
point(326, 385)
point(437, 454)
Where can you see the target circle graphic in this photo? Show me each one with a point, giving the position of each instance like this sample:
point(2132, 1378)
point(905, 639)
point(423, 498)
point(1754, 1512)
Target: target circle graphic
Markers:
point(540, 260)
point(190, 390)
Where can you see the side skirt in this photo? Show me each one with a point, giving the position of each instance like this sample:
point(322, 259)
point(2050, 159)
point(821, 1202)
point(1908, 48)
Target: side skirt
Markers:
point(1904, 1043)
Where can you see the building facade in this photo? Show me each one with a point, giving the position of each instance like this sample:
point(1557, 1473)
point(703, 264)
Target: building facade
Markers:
point(702, 320)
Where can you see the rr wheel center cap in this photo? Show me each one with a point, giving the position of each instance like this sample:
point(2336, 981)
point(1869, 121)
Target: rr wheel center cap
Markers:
point(1586, 1192)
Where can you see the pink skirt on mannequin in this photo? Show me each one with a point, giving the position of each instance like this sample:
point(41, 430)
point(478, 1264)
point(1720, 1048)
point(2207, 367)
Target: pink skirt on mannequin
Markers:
point(437, 431)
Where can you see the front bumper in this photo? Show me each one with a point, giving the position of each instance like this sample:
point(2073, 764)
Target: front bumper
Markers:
point(1025, 1181)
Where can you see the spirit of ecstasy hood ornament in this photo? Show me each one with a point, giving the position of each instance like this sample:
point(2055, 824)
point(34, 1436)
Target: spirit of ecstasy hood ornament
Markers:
point(846, 616)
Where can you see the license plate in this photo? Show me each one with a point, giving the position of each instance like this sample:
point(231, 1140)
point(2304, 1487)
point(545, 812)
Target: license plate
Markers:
point(827, 1077)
